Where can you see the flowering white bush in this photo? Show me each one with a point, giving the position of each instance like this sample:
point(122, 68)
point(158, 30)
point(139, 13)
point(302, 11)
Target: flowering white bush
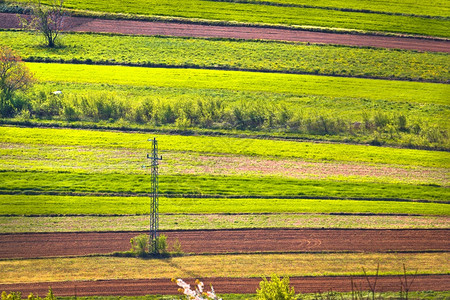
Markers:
point(197, 293)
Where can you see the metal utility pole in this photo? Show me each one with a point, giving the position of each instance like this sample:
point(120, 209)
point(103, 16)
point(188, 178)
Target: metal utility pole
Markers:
point(154, 211)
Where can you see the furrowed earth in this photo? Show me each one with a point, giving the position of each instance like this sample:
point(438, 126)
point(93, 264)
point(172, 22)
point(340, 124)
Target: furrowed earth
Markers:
point(32, 245)
point(221, 285)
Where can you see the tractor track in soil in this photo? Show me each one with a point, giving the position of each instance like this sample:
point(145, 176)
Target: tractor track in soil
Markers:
point(133, 27)
point(34, 245)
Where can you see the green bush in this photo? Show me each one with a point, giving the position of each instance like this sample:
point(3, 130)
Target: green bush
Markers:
point(275, 289)
point(161, 245)
point(140, 245)
point(18, 296)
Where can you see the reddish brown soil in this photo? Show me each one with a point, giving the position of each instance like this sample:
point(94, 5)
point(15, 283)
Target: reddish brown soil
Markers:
point(224, 285)
point(239, 32)
point(230, 241)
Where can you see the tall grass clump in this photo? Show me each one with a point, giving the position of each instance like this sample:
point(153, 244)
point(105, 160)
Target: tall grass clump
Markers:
point(140, 247)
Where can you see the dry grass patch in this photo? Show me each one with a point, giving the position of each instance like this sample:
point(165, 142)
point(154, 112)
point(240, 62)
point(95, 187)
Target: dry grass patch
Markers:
point(216, 221)
point(95, 268)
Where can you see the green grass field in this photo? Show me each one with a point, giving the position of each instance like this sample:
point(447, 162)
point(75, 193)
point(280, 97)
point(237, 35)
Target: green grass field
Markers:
point(229, 54)
point(269, 14)
point(430, 8)
point(87, 205)
point(292, 84)
point(43, 160)
point(85, 159)
point(308, 151)
point(67, 161)
point(45, 182)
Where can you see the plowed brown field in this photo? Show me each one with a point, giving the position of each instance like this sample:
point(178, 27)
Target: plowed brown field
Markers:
point(229, 241)
point(239, 32)
point(223, 285)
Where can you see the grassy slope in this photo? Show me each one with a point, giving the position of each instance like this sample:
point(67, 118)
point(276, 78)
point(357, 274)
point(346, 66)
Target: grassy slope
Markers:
point(226, 145)
point(100, 179)
point(265, 14)
point(251, 55)
point(244, 81)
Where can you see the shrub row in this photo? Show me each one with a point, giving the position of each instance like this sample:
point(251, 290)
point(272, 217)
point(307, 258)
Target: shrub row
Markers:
point(377, 126)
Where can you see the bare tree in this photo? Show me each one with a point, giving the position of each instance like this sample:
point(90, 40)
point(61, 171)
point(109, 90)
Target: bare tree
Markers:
point(14, 76)
point(46, 19)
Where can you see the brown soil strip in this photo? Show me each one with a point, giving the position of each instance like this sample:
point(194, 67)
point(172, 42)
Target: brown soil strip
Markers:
point(34, 245)
point(10, 21)
point(224, 285)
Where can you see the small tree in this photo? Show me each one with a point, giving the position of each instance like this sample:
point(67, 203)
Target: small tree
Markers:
point(275, 289)
point(139, 245)
point(14, 76)
point(47, 20)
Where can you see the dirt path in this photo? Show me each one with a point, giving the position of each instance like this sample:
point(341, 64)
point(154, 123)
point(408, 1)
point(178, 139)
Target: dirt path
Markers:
point(222, 285)
point(238, 32)
point(231, 241)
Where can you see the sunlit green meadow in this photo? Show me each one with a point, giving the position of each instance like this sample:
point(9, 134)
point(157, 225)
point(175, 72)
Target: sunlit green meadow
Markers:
point(294, 84)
